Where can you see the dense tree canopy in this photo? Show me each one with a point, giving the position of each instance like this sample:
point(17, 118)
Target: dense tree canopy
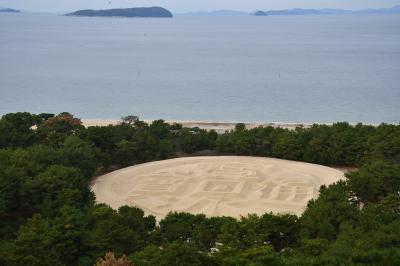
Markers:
point(48, 216)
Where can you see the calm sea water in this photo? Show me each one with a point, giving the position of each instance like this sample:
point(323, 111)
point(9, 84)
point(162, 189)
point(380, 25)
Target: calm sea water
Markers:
point(283, 68)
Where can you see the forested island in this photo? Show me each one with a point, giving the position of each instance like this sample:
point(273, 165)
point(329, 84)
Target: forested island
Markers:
point(144, 12)
point(9, 10)
point(48, 215)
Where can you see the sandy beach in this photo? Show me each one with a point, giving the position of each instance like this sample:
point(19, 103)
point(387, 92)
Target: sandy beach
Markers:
point(219, 127)
point(216, 186)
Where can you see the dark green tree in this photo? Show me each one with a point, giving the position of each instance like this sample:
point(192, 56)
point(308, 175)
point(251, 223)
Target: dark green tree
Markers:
point(17, 130)
point(325, 215)
point(375, 181)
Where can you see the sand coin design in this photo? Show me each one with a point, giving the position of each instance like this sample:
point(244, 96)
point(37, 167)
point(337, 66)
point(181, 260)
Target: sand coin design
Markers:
point(216, 186)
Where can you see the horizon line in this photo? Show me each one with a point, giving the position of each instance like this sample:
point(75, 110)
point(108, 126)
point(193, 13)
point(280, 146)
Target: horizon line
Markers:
point(208, 10)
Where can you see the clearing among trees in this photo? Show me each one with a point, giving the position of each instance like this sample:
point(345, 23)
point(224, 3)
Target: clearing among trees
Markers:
point(216, 186)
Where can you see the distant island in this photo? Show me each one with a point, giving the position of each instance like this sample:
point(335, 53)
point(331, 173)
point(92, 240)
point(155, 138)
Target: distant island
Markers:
point(9, 10)
point(289, 12)
point(296, 11)
point(260, 13)
point(144, 12)
point(327, 11)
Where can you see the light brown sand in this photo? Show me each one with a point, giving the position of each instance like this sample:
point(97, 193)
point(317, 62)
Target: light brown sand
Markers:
point(216, 186)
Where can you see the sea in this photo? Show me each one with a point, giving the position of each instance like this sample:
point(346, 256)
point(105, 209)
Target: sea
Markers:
point(293, 69)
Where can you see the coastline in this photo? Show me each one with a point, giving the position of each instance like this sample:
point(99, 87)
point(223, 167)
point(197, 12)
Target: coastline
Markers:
point(218, 126)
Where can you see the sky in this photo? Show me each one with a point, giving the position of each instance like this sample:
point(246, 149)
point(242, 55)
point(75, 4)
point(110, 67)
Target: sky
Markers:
point(193, 5)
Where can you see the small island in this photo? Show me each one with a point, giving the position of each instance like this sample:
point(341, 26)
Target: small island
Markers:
point(144, 12)
point(260, 14)
point(9, 10)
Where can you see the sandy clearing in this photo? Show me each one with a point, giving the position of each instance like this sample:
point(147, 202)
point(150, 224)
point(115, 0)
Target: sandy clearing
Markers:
point(216, 186)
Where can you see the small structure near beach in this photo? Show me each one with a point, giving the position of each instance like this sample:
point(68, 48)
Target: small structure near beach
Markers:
point(216, 186)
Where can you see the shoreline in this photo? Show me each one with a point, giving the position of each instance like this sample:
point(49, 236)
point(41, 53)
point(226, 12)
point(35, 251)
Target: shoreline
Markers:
point(219, 126)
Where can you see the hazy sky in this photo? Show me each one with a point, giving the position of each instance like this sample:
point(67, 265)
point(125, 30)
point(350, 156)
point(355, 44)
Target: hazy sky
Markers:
point(193, 5)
